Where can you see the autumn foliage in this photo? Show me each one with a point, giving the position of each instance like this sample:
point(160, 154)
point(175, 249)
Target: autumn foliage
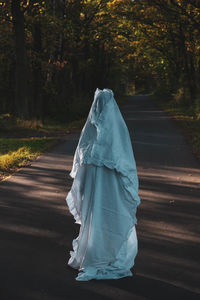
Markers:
point(55, 53)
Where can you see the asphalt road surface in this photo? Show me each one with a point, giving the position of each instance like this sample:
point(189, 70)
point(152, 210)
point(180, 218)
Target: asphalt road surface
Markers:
point(37, 230)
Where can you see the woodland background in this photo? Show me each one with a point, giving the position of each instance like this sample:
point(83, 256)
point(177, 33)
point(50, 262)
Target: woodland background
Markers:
point(55, 53)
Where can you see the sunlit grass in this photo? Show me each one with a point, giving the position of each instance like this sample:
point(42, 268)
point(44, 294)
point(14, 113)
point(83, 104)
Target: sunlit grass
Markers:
point(15, 158)
point(16, 145)
point(15, 152)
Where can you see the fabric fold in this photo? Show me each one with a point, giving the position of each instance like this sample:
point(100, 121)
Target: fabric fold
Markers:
point(104, 195)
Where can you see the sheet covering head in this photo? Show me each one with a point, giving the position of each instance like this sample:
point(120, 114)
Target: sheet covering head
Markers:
point(104, 194)
point(105, 141)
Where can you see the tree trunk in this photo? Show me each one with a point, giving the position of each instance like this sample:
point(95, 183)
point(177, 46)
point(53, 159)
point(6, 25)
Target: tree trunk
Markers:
point(187, 80)
point(37, 73)
point(21, 90)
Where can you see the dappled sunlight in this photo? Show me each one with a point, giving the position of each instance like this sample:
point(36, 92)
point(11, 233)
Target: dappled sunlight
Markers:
point(169, 187)
point(54, 54)
point(38, 228)
point(163, 201)
point(35, 207)
point(169, 232)
point(193, 174)
point(168, 224)
point(187, 177)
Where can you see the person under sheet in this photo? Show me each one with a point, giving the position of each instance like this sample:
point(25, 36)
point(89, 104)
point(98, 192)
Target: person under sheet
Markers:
point(104, 195)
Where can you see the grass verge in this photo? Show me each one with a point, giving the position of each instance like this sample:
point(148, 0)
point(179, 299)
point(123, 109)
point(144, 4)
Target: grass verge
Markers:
point(23, 140)
point(17, 152)
point(189, 125)
point(19, 145)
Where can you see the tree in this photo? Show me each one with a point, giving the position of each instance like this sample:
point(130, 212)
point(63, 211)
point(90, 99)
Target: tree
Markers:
point(21, 84)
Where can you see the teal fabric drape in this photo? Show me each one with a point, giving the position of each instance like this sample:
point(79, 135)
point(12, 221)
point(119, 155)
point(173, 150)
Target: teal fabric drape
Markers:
point(104, 195)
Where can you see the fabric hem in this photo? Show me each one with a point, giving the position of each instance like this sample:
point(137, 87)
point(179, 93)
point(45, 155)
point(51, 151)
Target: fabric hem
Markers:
point(72, 208)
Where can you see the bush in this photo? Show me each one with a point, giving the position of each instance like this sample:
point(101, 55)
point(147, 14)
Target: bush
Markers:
point(182, 96)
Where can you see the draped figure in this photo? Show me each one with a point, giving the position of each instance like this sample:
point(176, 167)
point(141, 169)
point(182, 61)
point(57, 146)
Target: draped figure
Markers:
point(104, 195)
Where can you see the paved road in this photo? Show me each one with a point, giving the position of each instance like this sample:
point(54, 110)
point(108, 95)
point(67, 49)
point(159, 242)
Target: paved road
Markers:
point(36, 228)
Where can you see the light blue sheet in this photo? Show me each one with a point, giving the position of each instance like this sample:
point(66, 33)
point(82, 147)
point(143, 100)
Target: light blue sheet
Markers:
point(104, 195)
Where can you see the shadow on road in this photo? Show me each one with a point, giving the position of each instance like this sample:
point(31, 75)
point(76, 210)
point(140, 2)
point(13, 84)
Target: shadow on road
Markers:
point(37, 229)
